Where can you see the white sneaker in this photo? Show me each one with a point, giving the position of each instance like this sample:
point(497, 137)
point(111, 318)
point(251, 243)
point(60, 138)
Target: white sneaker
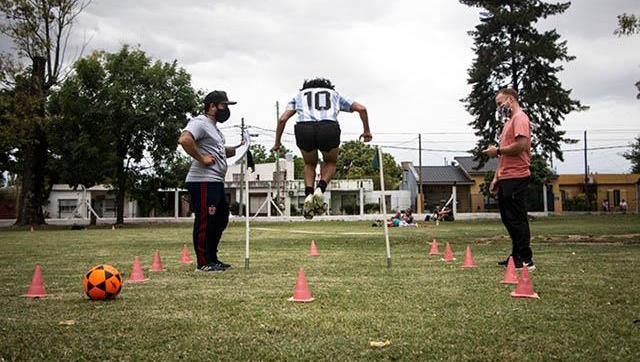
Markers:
point(318, 199)
point(307, 207)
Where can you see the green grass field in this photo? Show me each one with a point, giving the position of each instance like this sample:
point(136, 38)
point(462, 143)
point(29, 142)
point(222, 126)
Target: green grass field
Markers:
point(588, 276)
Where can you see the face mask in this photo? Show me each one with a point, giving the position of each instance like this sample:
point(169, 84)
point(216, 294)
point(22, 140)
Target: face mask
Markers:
point(504, 111)
point(222, 115)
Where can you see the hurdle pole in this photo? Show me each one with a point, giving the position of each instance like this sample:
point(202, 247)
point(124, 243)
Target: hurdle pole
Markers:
point(384, 209)
point(246, 217)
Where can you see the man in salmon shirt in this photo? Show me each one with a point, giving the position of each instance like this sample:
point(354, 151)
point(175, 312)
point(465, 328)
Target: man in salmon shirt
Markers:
point(511, 181)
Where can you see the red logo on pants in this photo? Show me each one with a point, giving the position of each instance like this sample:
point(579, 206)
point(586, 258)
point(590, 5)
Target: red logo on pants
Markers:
point(212, 210)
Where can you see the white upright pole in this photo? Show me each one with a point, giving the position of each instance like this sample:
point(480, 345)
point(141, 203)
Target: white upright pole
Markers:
point(176, 203)
point(384, 209)
point(454, 206)
point(361, 200)
point(246, 219)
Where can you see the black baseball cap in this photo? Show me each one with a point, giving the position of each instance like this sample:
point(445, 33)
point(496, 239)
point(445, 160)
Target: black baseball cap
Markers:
point(217, 97)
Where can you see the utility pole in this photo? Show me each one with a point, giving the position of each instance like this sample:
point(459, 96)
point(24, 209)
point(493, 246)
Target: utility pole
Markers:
point(420, 203)
point(242, 171)
point(277, 154)
point(586, 174)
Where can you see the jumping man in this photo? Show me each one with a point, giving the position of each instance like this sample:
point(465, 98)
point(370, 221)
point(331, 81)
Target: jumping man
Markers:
point(317, 105)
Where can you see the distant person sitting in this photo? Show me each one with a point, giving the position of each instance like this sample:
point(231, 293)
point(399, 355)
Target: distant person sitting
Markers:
point(623, 206)
point(605, 206)
point(395, 220)
point(434, 215)
point(446, 214)
point(408, 216)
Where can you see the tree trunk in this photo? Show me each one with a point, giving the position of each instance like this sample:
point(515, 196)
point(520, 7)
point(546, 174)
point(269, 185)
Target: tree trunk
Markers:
point(32, 189)
point(121, 180)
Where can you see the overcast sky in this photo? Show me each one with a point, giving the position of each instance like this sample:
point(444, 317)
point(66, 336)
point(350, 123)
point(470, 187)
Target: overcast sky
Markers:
point(405, 60)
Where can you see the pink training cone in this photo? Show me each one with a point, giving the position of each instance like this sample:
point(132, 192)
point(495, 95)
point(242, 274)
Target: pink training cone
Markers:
point(313, 249)
point(524, 289)
point(301, 292)
point(510, 275)
point(468, 259)
point(36, 289)
point(137, 275)
point(156, 266)
point(185, 258)
point(448, 254)
point(434, 248)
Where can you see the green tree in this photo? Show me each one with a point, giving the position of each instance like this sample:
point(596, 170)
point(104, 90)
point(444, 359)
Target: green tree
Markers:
point(259, 153)
point(485, 186)
point(356, 161)
point(168, 174)
point(298, 168)
point(282, 152)
point(39, 31)
point(633, 155)
point(511, 52)
point(131, 108)
point(629, 24)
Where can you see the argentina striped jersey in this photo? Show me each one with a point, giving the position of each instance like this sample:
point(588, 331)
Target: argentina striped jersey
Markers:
point(319, 104)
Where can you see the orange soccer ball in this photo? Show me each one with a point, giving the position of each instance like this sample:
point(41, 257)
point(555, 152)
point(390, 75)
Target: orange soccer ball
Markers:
point(102, 282)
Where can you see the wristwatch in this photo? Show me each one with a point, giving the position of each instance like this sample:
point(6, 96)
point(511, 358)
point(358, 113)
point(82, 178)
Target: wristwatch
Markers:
point(498, 152)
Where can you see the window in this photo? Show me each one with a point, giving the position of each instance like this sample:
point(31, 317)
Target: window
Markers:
point(109, 207)
point(616, 198)
point(66, 206)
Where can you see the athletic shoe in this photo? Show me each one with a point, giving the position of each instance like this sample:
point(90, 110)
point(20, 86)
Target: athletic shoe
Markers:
point(211, 267)
point(324, 210)
point(307, 207)
point(530, 265)
point(224, 265)
point(504, 262)
point(318, 199)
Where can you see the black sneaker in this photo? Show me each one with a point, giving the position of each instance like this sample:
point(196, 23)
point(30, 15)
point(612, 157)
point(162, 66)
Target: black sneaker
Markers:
point(211, 267)
point(224, 265)
point(504, 262)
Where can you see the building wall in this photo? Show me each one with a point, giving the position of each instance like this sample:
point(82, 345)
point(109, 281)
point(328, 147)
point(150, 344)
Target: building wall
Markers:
point(66, 198)
point(399, 199)
point(410, 182)
point(476, 196)
point(63, 200)
point(607, 185)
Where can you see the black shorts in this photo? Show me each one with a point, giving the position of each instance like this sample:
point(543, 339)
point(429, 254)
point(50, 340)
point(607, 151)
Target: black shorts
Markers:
point(322, 135)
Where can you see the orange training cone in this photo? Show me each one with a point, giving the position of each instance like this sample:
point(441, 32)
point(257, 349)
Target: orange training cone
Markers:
point(137, 275)
point(510, 275)
point(448, 254)
point(156, 266)
point(113, 226)
point(185, 258)
point(468, 259)
point(434, 247)
point(313, 249)
point(524, 289)
point(36, 289)
point(301, 292)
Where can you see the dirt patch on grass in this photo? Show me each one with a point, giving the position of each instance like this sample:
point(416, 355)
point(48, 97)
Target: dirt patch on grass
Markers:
point(616, 239)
